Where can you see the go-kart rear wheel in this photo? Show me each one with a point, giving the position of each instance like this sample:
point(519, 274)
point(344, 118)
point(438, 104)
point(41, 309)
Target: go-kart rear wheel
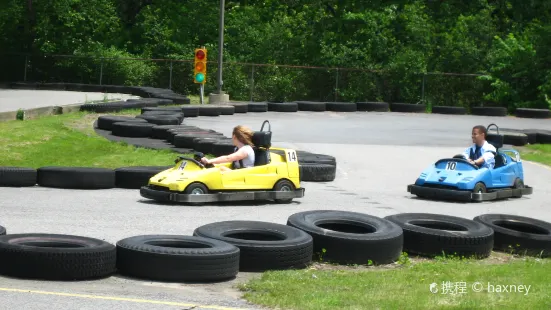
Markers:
point(479, 188)
point(284, 186)
point(518, 185)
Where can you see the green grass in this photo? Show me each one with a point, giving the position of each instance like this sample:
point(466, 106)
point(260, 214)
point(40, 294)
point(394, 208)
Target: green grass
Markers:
point(540, 153)
point(406, 286)
point(69, 140)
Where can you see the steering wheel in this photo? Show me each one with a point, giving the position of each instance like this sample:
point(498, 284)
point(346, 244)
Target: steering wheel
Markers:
point(460, 156)
point(197, 158)
point(458, 160)
point(200, 164)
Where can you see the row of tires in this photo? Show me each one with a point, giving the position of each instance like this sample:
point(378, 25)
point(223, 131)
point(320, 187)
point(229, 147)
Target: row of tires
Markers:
point(219, 251)
point(164, 124)
point(521, 137)
point(288, 106)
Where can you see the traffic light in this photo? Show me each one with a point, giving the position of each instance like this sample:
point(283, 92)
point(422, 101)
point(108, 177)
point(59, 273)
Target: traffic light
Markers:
point(200, 70)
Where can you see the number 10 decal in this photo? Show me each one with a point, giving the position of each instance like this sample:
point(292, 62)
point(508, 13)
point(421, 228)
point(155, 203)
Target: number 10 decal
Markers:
point(291, 156)
point(451, 165)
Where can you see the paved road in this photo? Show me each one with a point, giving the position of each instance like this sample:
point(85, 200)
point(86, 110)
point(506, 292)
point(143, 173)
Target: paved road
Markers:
point(378, 154)
point(14, 99)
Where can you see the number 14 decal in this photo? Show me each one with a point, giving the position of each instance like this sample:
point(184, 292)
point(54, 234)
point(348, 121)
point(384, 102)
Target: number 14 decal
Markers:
point(291, 156)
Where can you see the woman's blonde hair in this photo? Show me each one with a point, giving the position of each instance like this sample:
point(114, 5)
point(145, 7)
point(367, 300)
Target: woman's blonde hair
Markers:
point(243, 134)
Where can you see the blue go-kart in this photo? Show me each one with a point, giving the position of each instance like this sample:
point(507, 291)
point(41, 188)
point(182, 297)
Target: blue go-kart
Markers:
point(457, 179)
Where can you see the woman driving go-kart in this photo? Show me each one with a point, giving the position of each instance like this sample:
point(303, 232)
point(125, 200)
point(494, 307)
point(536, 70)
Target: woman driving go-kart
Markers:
point(243, 157)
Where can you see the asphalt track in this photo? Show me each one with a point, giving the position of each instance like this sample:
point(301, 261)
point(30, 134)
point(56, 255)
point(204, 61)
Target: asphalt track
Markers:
point(378, 154)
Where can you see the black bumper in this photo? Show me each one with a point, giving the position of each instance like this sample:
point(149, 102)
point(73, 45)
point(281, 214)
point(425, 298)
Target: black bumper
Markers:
point(459, 195)
point(162, 195)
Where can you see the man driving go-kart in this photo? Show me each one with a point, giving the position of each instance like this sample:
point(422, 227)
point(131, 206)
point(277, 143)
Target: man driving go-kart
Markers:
point(481, 153)
point(483, 172)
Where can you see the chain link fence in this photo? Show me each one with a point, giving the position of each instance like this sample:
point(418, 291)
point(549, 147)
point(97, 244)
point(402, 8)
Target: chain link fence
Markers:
point(252, 82)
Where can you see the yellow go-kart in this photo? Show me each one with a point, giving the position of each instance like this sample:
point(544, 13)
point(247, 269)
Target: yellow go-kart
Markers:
point(273, 177)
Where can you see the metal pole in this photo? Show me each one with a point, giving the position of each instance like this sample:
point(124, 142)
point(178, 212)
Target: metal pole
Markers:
point(202, 90)
point(101, 71)
point(252, 83)
point(26, 65)
point(337, 85)
point(423, 89)
point(170, 77)
point(220, 46)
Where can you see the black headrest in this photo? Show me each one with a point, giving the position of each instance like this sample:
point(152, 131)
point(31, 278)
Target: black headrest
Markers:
point(262, 139)
point(495, 139)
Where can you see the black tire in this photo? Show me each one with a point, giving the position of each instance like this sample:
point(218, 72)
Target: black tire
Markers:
point(317, 172)
point(479, 188)
point(161, 131)
point(161, 109)
point(17, 177)
point(56, 257)
point(437, 234)
point(135, 177)
point(263, 245)
point(350, 237)
point(187, 140)
point(372, 106)
point(196, 188)
point(162, 119)
point(257, 107)
point(284, 185)
point(240, 107)
point(190, 111)
point(204, 145)
point(132, 129)
point(177, 258)
point(313, 158)
point(519, 234)
point(311, 106)
point(206, 110)
point(3, 230)
point(223, 147)
point(544, 137)
point(76, 177)
point(489, 111)
point(532, 113)
point(341, 106)
point(511, 138)
point(105, 107)
point(171, 133)
point(283, 106)
point(408, 107)
point(449, 110)
point(226, 109)
point(106, 122)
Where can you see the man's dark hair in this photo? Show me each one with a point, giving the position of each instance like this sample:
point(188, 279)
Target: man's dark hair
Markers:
point(481, 129)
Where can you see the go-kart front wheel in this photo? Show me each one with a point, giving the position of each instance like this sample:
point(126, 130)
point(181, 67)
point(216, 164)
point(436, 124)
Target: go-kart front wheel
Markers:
point(284, 186)
point(196, 189)
point(479, 188)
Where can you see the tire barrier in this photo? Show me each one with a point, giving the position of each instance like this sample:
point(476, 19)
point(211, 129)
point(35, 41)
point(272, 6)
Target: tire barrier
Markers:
point(160, 96)
point(434, 234)
point(262, 245)
point(219, 251)
point(521, 137)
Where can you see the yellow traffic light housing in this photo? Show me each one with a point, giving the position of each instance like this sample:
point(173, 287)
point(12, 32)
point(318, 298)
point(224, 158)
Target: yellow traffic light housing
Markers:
point(200, 68)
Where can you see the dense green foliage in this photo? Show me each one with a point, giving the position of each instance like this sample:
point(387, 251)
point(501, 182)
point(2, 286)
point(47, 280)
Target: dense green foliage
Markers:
point(394, 43)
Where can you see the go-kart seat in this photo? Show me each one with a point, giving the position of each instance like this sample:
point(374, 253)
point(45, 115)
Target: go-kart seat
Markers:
point(262, 141)
point(496, 140)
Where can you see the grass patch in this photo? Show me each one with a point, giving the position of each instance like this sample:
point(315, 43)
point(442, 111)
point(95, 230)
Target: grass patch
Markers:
point(70, 140)
point(406, 286)
point(540, 153)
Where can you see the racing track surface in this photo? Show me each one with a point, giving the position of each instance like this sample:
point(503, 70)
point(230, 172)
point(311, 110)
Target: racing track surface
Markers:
point(378, 154)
